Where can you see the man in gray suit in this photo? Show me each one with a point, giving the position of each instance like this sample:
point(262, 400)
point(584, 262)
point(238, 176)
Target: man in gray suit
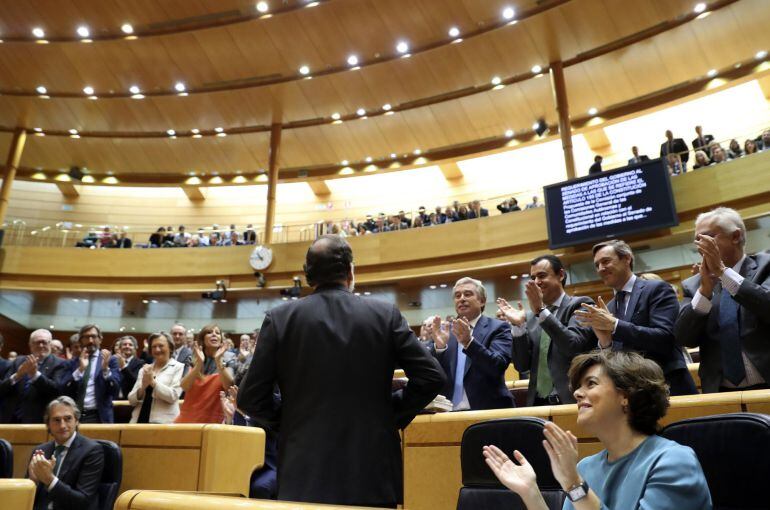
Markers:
point(182, 353)
point(546, 340)
point(726, 307)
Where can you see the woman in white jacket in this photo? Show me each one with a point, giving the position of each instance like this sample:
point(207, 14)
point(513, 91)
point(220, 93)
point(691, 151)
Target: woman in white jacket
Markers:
point(155, 396)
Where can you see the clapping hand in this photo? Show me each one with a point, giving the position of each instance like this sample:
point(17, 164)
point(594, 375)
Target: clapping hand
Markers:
point(520, 478)
point(596, 316)
point(41, 469)
point(462, 330)
point(105, 359)
point(440, 333)
point(707, 247)
point(83, 361)
point(28, 368)
point(198, 357)
point(516, 316)
point(243, 350)
point(534, 296)
point(561, 448)
point(147, 378)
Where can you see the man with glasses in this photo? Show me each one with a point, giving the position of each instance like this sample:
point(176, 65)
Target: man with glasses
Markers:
point(96, 380)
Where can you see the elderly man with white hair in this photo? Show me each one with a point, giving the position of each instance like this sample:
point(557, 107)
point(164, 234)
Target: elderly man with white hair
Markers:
point(726, 310)
point(32, 381)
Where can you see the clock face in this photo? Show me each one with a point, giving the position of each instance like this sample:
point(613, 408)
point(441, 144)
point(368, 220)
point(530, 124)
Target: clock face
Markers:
point(261, 258)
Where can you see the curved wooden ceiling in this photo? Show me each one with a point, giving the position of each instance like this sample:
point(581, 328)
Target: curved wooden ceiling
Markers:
point(440, 97)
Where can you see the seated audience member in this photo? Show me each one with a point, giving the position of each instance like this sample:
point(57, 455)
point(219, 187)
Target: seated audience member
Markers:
point(182, 238)
point(155, 395)
point(440, 216)
point(362, 230)
point(702, 142)
point(734, 151)
point(462, 213)
point(123, 241)
point(725, 306)
point(636, 159)
point(417, 223)
point(701, 160)
point(202, 238)
point(128, 363)
point(639, 318)
point(749, 147)
point(396, 223)
point(674, 146)
point(156, 238)
point(208, 376)
point(231, 239)
point(421, 212)
point(675, 166)
point(402, 217)
point(431, 220)
point(546, 340)
point(534, 204)
point(451, 215)
point(95, 378)
point(380, 226)
point(67, 470)
point(718, 154)
point(31, 381)
point(57, 348)
point(250, 235)
point(214, 239)
point(476, 211)
point(596, 168)
point(621, 397)
point(12, 356)
point(168, 238)
point(476, 340)
point(90, 241)
point(105, 238)
point(112, 242)
point(764, 141)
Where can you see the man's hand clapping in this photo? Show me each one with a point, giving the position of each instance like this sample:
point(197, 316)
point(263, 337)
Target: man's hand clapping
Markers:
point(516, 316)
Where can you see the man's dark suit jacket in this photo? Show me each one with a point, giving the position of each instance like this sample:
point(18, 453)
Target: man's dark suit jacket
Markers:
point(128, 375)
point(642, 158)
point(50, 384)
point(649, 330)
point(79, 477)
point(105, 390)
point(568, 340)
point(185, 356)
point(488, 358)
point(333, 355)
point(697, 146)
point(678, 147)
point(694, 329)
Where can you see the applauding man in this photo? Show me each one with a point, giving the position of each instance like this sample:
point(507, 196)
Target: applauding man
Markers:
point(96, 380)
point(546, 340)
point(474, 351)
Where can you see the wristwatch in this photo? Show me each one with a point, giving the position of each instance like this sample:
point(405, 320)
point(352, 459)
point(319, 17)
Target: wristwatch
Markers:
point(578, 492)
point(539, 311)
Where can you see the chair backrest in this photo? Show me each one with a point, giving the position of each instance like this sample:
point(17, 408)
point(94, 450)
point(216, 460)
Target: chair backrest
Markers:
point(112, 474)
point(734, 452)
point(6, 459)
point(481, 489)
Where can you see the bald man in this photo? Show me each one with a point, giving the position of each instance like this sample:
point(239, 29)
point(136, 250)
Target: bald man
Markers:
point(32, 381)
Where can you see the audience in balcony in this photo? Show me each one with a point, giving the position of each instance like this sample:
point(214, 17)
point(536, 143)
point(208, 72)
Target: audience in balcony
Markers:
point(509, 205)
point(749, 147)
point(734, 151)
point(701, 160)
point(718, 154)
point(596, 168)
point(701, 142)
point(674, 146)
point(637, 158)
point(535, 203)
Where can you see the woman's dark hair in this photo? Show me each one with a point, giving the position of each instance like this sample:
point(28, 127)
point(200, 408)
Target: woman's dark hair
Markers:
point(161, 334)
point(205, 330)
point(640, 379)
point(328, 260)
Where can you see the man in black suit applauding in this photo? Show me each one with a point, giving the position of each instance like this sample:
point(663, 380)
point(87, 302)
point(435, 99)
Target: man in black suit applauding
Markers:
point(726, 307)
point(332, 354)
point(68, 469)
point(639, 318)
point(32, 381)
point(546, 340)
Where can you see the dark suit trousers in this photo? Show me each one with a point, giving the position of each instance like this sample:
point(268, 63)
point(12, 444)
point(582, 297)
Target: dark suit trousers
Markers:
point(680, 382)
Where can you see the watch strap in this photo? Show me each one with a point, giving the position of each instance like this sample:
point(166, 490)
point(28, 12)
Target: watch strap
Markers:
point(578, 492)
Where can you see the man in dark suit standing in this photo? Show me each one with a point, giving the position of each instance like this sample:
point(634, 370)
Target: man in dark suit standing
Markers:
point(474, 351)
point(68, 469)
point(96, 380)
point(637, 157)
point(639, 318)
point(545, 342)
point(674, 146)
point(726, 305)
point(333, 354)
point(128, 363)
point(32, 381)
point(596, 168)
point(182, 353)
point(702, 142)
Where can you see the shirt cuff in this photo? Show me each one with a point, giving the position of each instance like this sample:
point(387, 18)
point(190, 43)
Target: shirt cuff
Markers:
point(544, 314)
point(518, 330)
point(34, 377)
point(441, 349)
point(700, 303)
point(731, 281)
point(615, 327)
point(53, 483)
point(77, 375)
point(106, 373)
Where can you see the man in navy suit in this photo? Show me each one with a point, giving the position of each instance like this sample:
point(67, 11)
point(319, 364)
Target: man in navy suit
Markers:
point(67, 470)
point(474, 351)
point(95, 378)
point(639, 318)
point(32, 381)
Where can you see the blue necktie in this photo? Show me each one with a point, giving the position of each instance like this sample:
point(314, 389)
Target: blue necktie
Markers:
point(457, 394)
point(730, 338)
point(620, 305)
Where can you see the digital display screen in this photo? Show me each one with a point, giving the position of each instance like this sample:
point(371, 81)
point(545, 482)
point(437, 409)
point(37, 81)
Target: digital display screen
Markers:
point(611, 204)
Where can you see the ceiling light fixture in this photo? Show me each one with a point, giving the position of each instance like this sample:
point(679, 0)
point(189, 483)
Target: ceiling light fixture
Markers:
point(509, 13)
point(496, 80)
point(352, 60)
point(711, 73)
point(454, 32)
point(88, 90)
point(760, 55)
point(134, 89)
point(41, 90)
point(180, 86)
point(536, 69)
point(417, 152)
point(345, 162)
point(304, 70)
point(592, 111)
point(336, 116)
point(393, 155)
point(263, 7)
point(699, 7)
point(368, 159)
point(361, 112)
point(83, 31)
point(38, 32)
point(127, 28)
point(387, 107)
point(509, 133)
point(170, 132)
point(402, 47)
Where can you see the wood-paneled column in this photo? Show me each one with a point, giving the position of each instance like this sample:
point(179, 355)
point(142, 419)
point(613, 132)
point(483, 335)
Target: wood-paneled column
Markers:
point(272, 181)
point(559, 88)
point(11, 164)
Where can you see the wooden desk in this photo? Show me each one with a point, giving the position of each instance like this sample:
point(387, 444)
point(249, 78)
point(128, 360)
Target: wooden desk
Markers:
point(152, 500)
point(17, 494)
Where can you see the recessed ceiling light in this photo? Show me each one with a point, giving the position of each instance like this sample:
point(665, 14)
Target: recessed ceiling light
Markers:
point(711, 73)
point(304, 70)
point(417, 152)
point(509, 133)
point(361, 112)
point(760, 55)
point(262, 6)
point(454, 32)
point(38, 130)
point(83, 31)
point(180, 86)
point(368, 159)
point(219, 129)
point(41, 90)
point(443, 285)
point(127, 28)
point(88, 90)
point(312, 4)
point(535, 125)
point(38, 32)
point(170, 132)
point(699, 7)
point(353, 60)
point(433, 287)
point(336, 116)
point(393, 155)
point(134, 89)
point(496, 80)
point(195, 131)
point(592, 111)
point(536, 69)
point(345, 162)
point(73, 131)
point(402, 47)
point(513, 276)
point(387, 107)
point(509, 13)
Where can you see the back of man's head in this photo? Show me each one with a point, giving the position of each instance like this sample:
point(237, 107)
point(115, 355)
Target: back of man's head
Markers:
point(329, 260)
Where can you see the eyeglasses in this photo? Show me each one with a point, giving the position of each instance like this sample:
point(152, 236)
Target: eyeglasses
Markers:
point(90, 337)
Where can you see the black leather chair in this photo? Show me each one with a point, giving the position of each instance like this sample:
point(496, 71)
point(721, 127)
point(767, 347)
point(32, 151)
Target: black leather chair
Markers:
point(6, 459)
point(734, 452)
point(481, 490)
point(112, 474)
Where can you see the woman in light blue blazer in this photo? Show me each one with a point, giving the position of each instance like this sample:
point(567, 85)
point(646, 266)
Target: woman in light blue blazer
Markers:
point(620, 397)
